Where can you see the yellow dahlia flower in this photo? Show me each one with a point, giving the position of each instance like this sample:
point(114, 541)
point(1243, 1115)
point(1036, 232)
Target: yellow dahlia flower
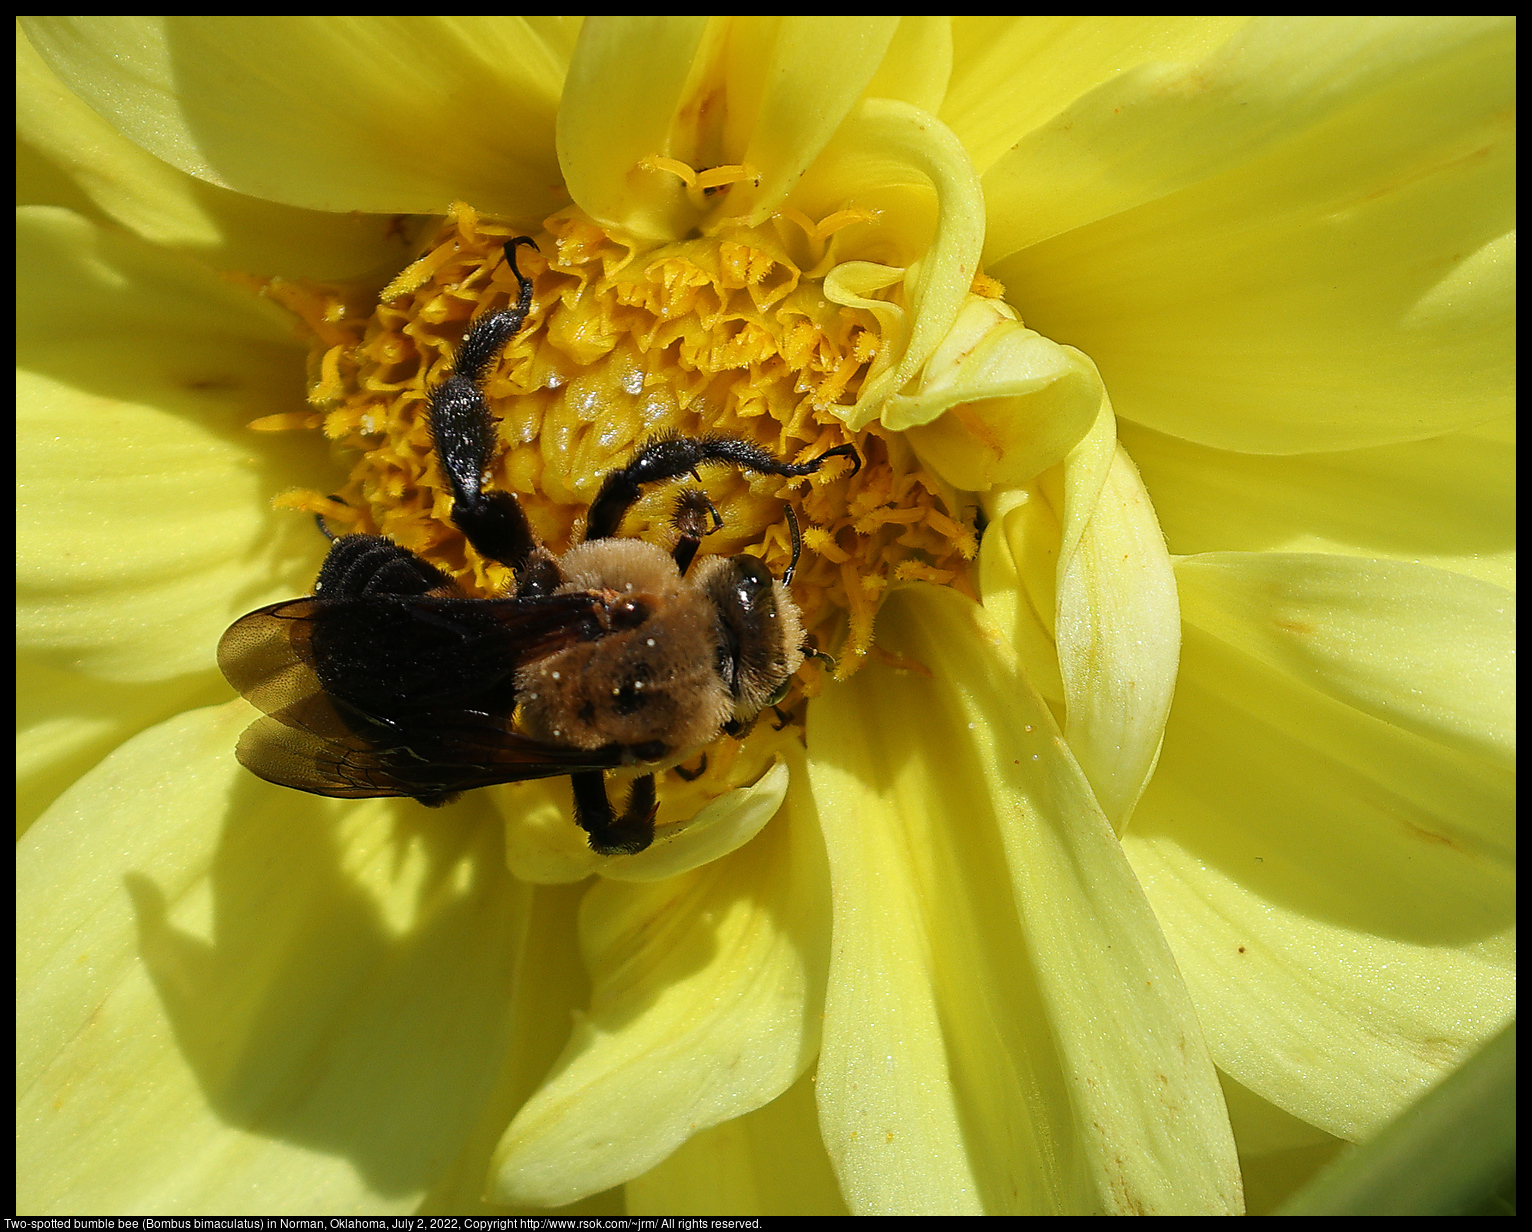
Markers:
point(955, 945)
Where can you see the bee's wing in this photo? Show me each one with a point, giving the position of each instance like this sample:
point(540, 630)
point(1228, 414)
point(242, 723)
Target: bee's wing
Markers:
point(392, 655)
point(385, 695)
point(432, 762)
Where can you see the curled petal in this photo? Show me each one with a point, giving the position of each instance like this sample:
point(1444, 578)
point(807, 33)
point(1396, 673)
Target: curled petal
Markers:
point(997, 403)
point(1119, 635)
point(912, 176)
point(705, 1005)
point(724, 825)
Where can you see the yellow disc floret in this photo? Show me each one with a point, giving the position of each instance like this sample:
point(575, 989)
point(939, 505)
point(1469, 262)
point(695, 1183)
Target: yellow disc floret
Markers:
point(724, 333)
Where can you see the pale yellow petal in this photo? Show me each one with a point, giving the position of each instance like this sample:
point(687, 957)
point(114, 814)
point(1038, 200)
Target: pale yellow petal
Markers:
point(1278, 1153)
point(1075, 573)
point(1011, 75)
point(918, 63)
point(166, 206)
point(997, 403)
point(1118, 634)
point(705, 1006)
point(1339, 892)
point(1005, 1031)
point(725, 824)
point(767, 1162)
point(1334, 270)
point(1038, 530)
point(1426, 650)
point(1448, 502)
point(292, 1004)
point(1018, 581)
point(142, 496)
point(544, 845)
point(67, 721)
point(1175, 120)
point(383, 114)
point(1261, 1128)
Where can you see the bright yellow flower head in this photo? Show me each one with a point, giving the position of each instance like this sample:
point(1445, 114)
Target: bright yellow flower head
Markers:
point(1178, 352)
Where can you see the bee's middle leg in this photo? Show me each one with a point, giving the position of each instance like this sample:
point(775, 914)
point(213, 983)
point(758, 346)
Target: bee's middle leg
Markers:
point(609, 834)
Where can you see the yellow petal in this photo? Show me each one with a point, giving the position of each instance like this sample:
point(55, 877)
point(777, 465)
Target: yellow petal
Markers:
point(66, 722)
point(1167, 123)
point(237, 997)
point(765, 93)
point(384, 114)
point(544, 845)
point(767, 1162)
point(626, 83)
point(1448, 502)
point(1075, 573)
point(1005, 1031)
point(1426, 650)
point(1339, 892)
point(1306, 244)
point(997, 403)
point(791, 81)
point(1011, 75)
point(1018, 580)
point(725, 824)
point(166, 206)
point(137, 371)
point(1118, 633)
point(1278, 1153)
point(918, 63)
point(705, 1005)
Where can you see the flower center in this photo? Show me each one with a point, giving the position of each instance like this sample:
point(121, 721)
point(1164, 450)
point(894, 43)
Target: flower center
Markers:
point(724, 333)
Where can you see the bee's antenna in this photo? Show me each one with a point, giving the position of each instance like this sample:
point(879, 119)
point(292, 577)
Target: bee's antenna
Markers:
point(792, 530)
point(320, 522)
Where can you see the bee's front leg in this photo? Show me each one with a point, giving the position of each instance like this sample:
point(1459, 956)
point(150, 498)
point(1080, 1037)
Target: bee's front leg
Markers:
point(463, 436)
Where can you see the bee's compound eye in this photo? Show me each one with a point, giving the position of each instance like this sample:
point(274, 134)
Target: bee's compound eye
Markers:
point(629, 613)
point(751, 580)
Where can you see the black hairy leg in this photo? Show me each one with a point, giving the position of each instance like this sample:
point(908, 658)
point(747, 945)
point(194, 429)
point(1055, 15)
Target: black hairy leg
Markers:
point(693, 514)
point(671, 456)
point(611, 835)
point(463, 435)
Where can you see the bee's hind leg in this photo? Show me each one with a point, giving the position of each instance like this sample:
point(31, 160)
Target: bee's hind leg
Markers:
point(611, 835)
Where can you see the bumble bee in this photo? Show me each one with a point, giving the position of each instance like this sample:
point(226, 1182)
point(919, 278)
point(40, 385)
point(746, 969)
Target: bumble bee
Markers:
point(391, 681)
